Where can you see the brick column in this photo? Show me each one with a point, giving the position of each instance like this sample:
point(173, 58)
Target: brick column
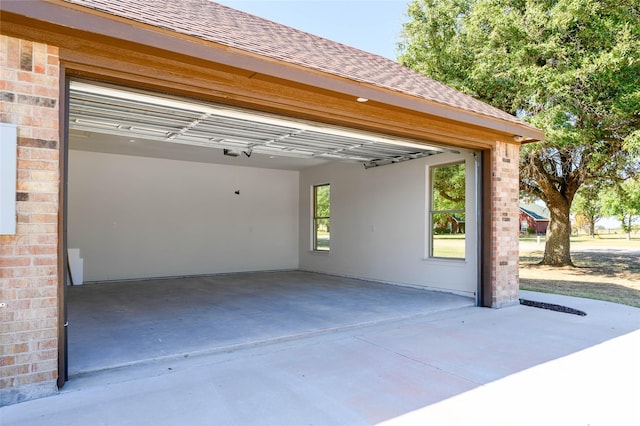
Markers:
point(29, 86)
point(504, 225)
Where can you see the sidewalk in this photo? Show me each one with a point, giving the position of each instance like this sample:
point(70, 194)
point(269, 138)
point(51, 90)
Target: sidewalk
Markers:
point(519, 365)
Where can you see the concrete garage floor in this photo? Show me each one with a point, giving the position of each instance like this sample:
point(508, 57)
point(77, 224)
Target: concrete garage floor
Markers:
point(119, 323)
point(469, 366)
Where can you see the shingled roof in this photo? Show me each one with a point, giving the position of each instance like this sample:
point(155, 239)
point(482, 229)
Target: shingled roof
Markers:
point(220, 24)
point(536, 211)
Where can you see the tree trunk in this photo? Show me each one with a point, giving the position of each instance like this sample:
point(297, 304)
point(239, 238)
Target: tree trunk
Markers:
point(629, 228)
point(592, 227)
point(557, 250)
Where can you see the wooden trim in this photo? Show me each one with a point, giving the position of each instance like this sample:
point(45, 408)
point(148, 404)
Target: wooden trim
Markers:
point(269, 95)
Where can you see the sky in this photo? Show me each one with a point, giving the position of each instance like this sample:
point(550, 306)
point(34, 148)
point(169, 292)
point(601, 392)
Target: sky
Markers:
point(370, 25)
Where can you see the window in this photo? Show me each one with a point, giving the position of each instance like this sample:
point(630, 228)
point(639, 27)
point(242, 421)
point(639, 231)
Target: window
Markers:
point(447, 213)
point(321, 214)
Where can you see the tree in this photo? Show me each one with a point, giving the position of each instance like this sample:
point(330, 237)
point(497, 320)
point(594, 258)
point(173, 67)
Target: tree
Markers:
point(449, 187)
point(449, 198)
point(588, 203)
point(623, 201)
point(569, 67)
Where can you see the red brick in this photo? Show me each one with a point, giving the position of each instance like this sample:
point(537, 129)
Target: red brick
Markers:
point(44, 218)
point(48, 261)
point(44, 197)
point(6, 383)
point(44, 366)
point(50, 187)
point(47, 344)
point(7, 249)
point(37, 165)
point(46, 302)
point(13, 53)
point(7, 316)
point(36, 314)
point(17, 283)
point(33, 335)
point(18, 109)
point(17, 348)
point(48, 92)
point(504, 238)
point(38, 228)
point(18, 304)
point(37, 249)
point(23, 153)
point(31, 357)
point(45, 239)
point(7, 360)
point(7, 272)
point(49, 134)
point(34, 272)
point(35, 378)
point(8, 294)
point(27, 207)
point(15, 261)
point(14, 370)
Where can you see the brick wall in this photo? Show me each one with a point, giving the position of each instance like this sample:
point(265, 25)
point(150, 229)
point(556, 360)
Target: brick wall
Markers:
point(504, 224)
point(28, 260)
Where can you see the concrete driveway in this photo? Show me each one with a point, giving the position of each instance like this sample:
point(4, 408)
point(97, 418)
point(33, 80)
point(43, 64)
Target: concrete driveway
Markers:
point(518, 365)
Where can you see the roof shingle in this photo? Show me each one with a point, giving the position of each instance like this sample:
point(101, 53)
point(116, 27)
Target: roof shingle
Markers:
point(536, 211)
point(217, 23)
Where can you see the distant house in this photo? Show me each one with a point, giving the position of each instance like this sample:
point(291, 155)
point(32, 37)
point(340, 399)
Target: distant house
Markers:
point(456, 224)
point(534, 218)
point(450, 224)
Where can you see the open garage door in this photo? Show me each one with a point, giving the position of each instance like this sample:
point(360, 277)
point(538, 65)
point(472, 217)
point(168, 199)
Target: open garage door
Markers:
point(232, 132)
point(169, 187)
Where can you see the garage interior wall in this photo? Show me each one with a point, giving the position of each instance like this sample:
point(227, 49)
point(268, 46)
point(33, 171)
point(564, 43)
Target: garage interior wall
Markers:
point(378, 224)
point(138, 217)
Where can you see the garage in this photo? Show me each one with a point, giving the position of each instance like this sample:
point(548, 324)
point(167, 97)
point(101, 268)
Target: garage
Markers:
point(174, 191)
point(147, 145)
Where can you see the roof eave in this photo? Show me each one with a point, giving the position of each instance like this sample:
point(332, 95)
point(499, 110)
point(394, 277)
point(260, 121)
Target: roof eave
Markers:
point(89, 20)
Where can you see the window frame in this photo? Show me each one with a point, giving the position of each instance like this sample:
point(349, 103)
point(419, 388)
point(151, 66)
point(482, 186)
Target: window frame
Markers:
point(316, 218)
point(431, 211)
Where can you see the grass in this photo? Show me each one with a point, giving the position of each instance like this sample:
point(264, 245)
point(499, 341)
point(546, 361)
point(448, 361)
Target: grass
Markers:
point(600, 240)
point(606, 268)
point(449, 246)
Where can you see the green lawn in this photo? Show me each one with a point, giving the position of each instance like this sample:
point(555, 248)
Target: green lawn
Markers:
point(449, 246)
point(601, 240)
point(607, 267)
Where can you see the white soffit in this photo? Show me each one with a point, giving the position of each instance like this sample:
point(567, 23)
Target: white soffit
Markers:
point(120, 112)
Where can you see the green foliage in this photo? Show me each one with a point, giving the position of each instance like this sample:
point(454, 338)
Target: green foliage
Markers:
point(323, 205)
point(589, 203)
point(623, 201)
point(569, 67)
point(569, 59)
point(449, 187)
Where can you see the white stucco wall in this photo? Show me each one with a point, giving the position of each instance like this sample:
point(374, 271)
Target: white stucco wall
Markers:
point(135, 217)
point(379, 222)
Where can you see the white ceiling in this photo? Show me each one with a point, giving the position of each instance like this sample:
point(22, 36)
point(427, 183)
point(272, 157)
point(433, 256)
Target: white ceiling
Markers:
point(115, 120)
